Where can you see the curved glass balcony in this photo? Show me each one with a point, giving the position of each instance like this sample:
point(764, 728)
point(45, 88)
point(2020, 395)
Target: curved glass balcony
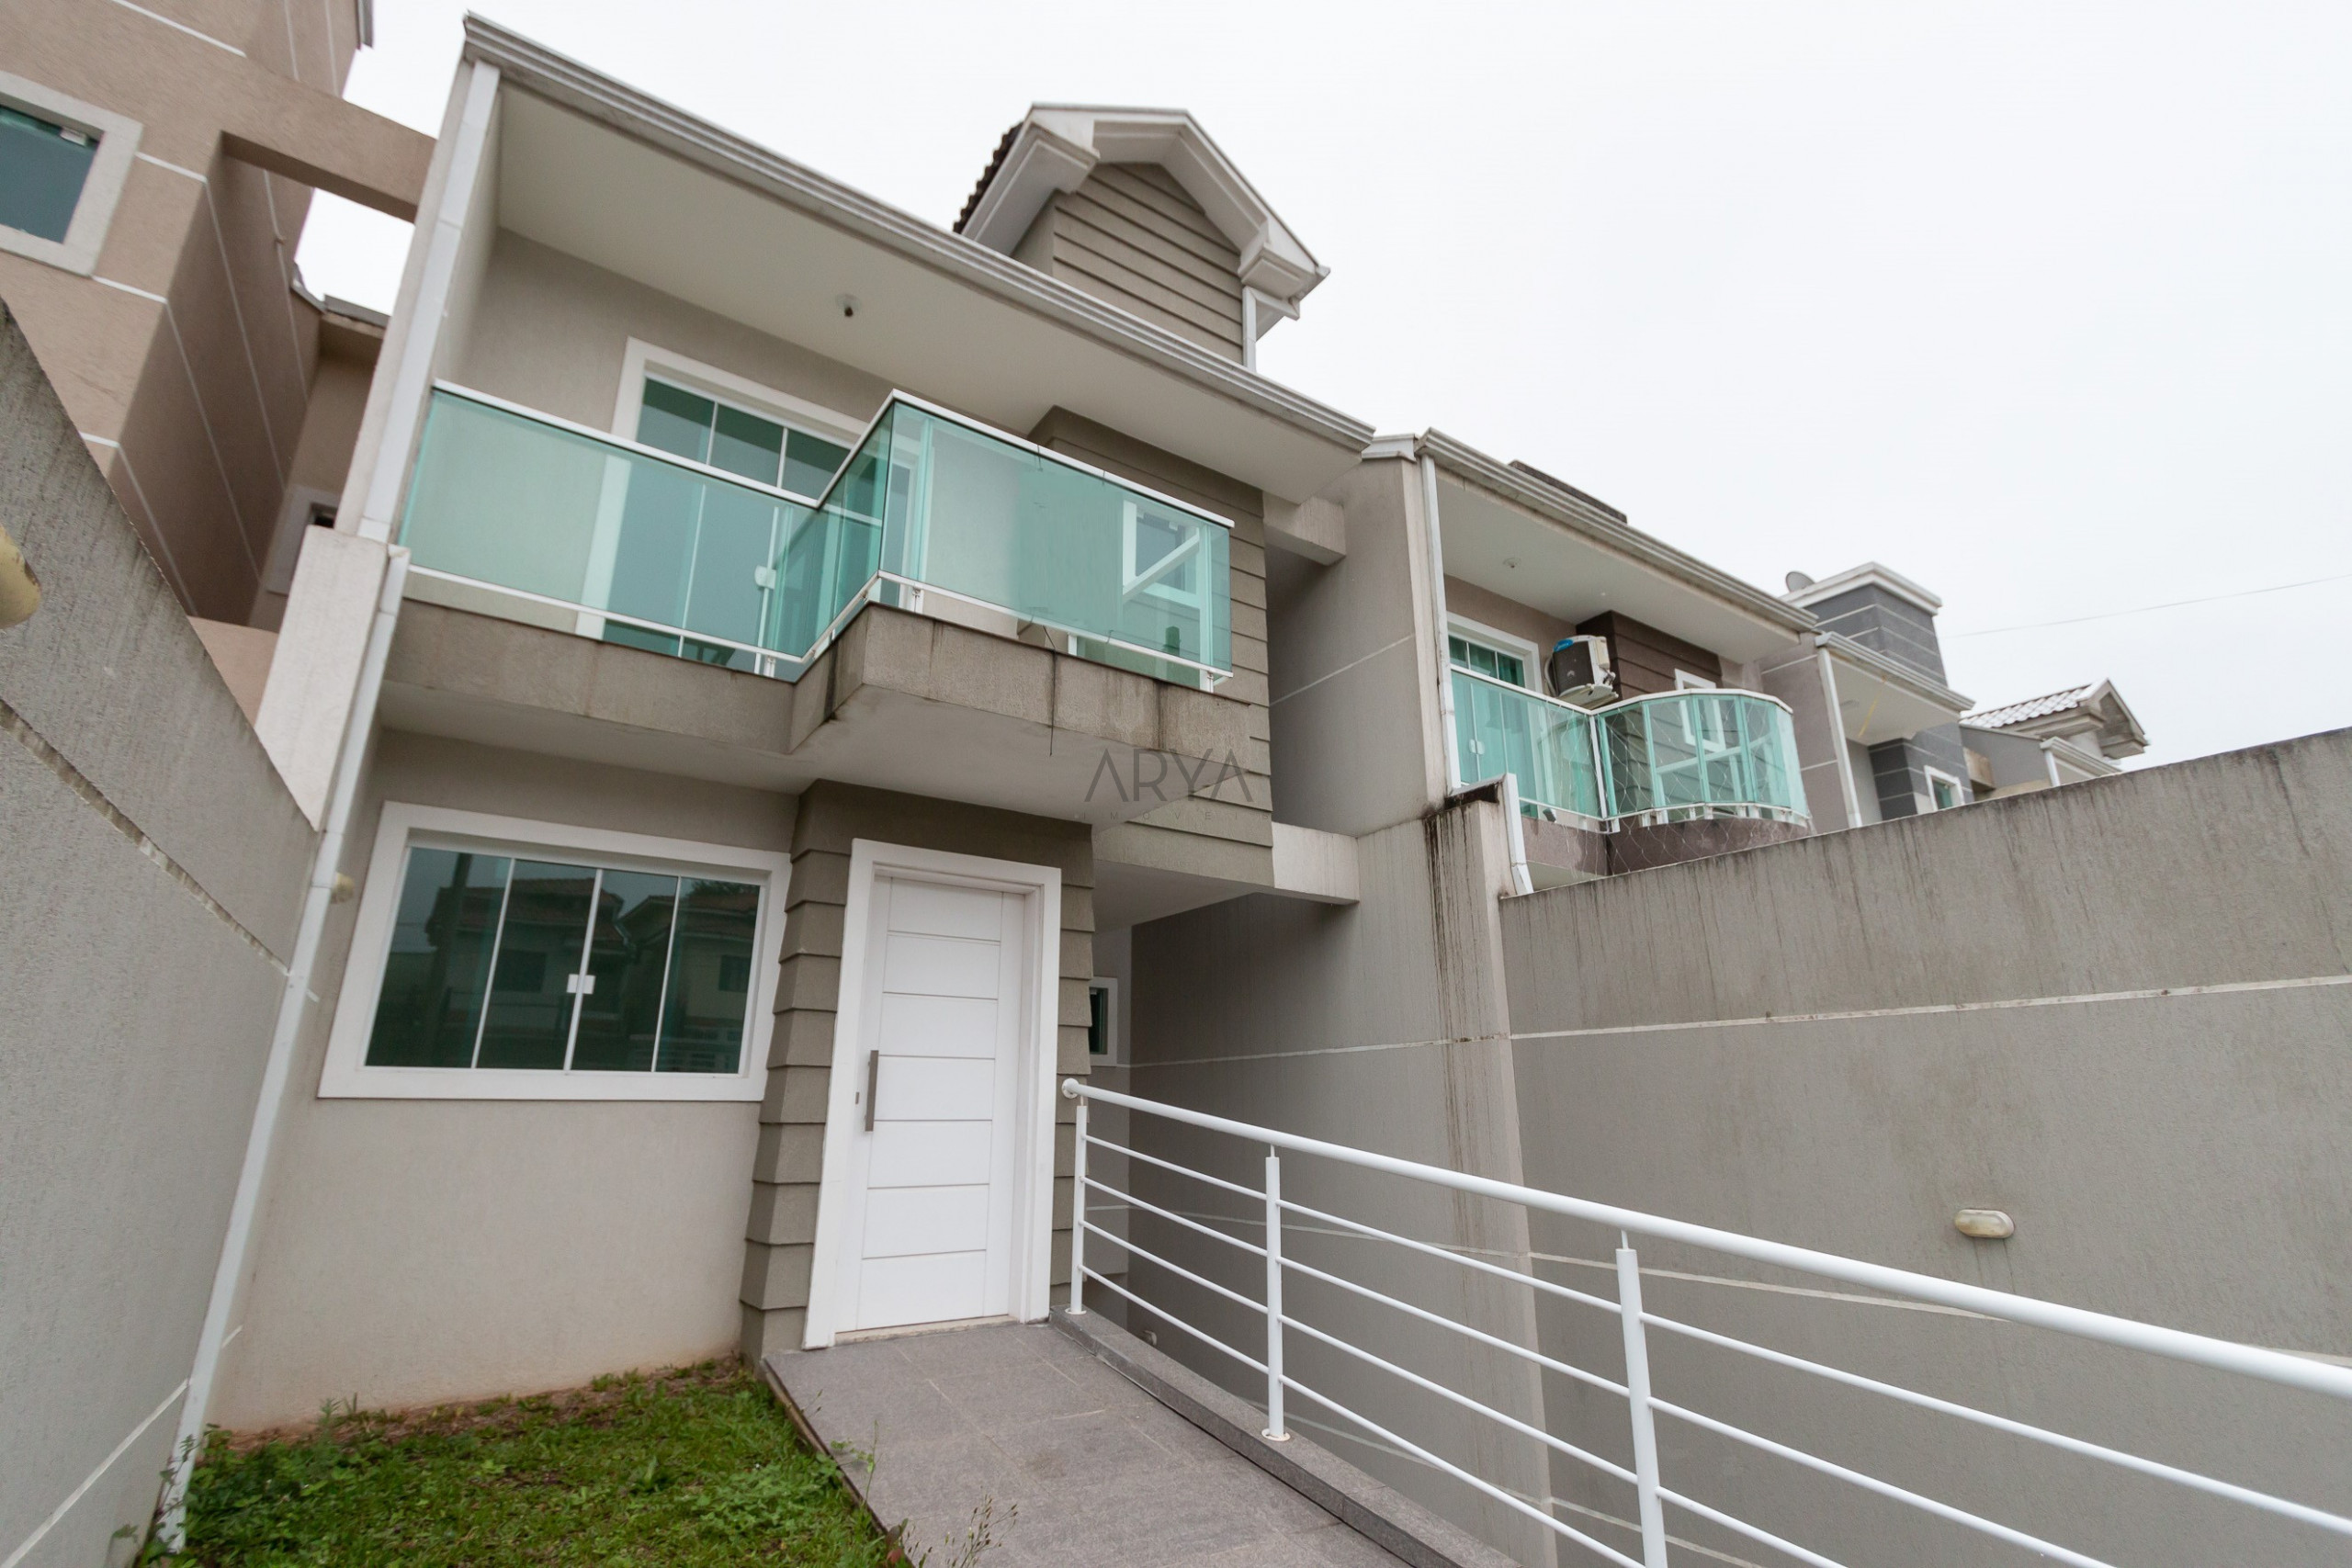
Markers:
point(1699, 753)
point(1669, 757)
point(533, 519)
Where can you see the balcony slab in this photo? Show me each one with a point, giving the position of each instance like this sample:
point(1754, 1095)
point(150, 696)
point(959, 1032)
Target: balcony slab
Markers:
point(900, 701)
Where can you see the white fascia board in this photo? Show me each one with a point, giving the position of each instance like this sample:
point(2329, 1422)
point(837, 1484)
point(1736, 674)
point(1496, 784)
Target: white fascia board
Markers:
point(565, 82)
point(1607, 527)
point(1870, 574)
point(1894, 672)
point(1040, 165)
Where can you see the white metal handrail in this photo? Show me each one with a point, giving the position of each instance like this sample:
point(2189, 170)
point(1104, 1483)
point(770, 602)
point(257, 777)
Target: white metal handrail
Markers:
point(1643, 1405)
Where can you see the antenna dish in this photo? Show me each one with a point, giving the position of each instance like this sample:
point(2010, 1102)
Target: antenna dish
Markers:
point(1798, 582)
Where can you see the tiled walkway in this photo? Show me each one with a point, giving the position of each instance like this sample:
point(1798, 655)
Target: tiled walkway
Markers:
point(1082, 1467)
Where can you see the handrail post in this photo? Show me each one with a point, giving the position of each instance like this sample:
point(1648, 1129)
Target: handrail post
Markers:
point(1078, 1214)
point(1637, 1396)
point(1275, 1430)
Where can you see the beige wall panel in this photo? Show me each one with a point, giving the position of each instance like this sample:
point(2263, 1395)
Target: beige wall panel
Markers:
point(1487, 607)
point(550, 332)
point(1349, 692)
point(1379, 1024)
point(415, 1251)
point(2174, 1159)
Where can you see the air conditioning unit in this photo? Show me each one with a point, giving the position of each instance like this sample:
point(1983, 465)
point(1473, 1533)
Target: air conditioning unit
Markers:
point(1580, 672)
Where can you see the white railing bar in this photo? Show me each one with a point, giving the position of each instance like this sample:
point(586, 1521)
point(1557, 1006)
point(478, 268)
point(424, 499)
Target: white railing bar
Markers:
point(1165, 1214)
point(580, 609)
point(2272, 1366)
point(2156, 1468)
point(1681, 1543)
point(1507, 1499)
point(1249, 1192)
point(1751, 1531)
point(1884, 1488)
point(1480, 1263)
point(1541, 1359)
point(850, 607)
point(1217, 676)
point(1177, 1268)
point(1513, 1422)
point(1251, 1362)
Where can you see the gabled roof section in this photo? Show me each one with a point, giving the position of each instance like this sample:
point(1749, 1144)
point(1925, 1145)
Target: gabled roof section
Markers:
point(1055, 146)
point(2097, 706)
point(1103, 361)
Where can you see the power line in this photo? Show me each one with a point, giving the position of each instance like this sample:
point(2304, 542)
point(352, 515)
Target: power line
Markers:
point(2145, 609)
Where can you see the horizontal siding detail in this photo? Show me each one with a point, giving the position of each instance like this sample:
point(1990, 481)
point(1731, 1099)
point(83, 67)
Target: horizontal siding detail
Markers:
point(1132, 237)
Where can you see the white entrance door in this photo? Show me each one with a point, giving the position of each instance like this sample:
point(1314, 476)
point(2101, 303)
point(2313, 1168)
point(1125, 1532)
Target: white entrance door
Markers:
point(929, 1238)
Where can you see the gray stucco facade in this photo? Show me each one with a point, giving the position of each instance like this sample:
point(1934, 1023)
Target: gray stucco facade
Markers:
point(153, 866)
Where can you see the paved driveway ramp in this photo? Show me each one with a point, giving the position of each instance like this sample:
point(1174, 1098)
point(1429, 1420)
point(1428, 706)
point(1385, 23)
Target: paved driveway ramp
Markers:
point(1077, 1446)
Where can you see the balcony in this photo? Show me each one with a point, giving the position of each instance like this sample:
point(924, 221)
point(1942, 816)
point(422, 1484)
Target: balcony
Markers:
point(513, 513)
point(1637, 771)
point(976, 619)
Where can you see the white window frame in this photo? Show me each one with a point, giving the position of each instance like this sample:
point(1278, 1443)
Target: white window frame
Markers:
point(1033, 1226)
point(1959, 790)
point(347, 1075)
point(1498, 641)
point(1112, 1045)
point(641, 359)
point(101, 188)
point(1686, 682)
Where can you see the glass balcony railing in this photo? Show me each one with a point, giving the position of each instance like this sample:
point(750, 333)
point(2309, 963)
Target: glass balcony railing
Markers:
point(1671, 756)
point(1503, 728)
point(620, 541)
point(1699, 753)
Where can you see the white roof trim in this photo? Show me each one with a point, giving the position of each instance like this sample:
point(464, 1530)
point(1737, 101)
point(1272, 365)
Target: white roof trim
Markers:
point(1870, 574)
point(1058, 145)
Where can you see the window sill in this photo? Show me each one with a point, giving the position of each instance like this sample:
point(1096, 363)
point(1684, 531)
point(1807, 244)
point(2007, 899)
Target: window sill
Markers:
point(465, 1083)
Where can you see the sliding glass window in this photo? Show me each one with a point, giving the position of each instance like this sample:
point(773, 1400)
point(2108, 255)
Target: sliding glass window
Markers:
point(507, 962)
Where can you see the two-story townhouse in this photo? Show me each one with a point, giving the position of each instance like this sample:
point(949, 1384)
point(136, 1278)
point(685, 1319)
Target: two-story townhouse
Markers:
point(762, 640)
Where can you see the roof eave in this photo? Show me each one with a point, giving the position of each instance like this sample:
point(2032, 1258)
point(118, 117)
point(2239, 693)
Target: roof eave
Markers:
point(1894, 673)
point(584, 90)
point(1604, 525)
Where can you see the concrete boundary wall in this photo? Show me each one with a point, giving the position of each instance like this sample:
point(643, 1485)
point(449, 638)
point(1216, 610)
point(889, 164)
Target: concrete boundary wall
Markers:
point(153, 866)
point(2119, 1012)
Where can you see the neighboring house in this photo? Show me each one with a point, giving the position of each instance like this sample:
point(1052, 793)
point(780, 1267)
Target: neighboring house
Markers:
point(2046, 741)
point(1880, 653)
point(147, 240)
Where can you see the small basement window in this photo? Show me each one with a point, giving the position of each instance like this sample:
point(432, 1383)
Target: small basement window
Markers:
point(515, 969)
point(62, 165)
point(43, 166)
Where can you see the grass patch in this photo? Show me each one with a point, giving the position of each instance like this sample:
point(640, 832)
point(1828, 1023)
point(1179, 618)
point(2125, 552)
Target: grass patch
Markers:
point(689, 1468)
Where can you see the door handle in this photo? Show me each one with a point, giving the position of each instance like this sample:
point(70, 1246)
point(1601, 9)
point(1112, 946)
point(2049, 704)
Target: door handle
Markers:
point(873, 1082)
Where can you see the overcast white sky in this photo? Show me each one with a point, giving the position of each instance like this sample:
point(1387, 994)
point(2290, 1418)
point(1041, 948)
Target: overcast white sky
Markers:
point(2047, 307)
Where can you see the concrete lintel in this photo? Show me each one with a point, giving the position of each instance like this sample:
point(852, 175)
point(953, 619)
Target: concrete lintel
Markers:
point(1315, 528)
point(1315, 866)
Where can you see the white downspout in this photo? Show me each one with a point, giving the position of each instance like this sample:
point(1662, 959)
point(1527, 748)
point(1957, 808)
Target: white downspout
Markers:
point(1437, 610)
point(1837, 733)
point(237, 1244)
